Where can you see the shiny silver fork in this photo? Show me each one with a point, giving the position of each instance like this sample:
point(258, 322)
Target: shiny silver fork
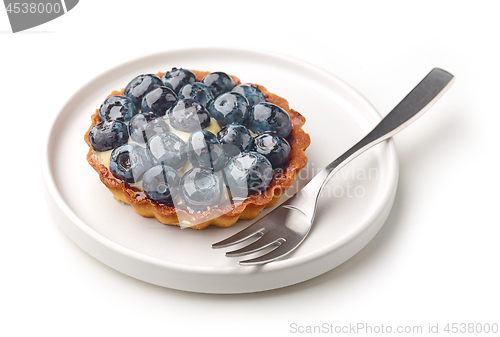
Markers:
point(286, 227)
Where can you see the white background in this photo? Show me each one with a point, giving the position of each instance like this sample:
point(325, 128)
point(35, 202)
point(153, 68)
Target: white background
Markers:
point(435, 261)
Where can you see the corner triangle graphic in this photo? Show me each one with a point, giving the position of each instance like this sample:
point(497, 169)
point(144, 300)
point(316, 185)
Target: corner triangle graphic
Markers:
point(70, 4)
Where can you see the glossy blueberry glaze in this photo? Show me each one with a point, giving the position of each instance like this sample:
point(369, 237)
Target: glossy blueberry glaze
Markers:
point(160, 183)
point(167, 149)
point(269, 117)
point(229, 108)
point(158, 101)
point(274, 148)
point(117, 108)
point(201, 188)
point(129, 162)
point(248, 173)
point(143, 126)
point(197, 91)
point(235, 138)
point(251, 93)
point(108, 135)
point(188, 115)
point(140, 86)
point(218, 82)
point(177, 78)
point(204, 150)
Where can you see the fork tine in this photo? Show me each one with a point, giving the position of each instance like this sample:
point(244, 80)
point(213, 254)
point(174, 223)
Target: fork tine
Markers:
point(247, 233)
point(278, 252)
point(261, 243)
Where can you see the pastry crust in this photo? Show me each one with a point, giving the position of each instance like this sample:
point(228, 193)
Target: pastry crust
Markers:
point(224, 215)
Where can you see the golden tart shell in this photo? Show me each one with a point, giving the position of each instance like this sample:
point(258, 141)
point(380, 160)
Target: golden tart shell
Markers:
point(222, 216)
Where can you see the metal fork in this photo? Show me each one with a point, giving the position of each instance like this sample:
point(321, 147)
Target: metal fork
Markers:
point(287, 226)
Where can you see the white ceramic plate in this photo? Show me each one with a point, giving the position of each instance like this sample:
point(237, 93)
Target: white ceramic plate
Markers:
point(352, 209)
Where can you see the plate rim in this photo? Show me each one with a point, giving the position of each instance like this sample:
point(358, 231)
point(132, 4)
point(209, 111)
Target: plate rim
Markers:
point(384, 202)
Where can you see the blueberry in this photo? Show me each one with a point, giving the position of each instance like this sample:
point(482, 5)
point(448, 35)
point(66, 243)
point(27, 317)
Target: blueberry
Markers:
point(108, 135)
point(218, 82)
point(274, 148)
point(188, 115)
point(204, 150)
point(167, 149)
point(177, 78)
point(197, 91)
point(251, 93)
point(235, 138)
point(229, 108)
point(145, 125)
point(160, 183)
point(140, 86)
point(158, 101)
point(248, 173)
point(117, 108)
point(129, 162)
point(269, 117)
point(201, 188)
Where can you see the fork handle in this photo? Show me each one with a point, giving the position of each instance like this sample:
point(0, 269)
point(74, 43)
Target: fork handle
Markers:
point(419, 100)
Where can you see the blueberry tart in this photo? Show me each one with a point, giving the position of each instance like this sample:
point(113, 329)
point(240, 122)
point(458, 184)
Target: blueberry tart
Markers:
point(194, 148)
